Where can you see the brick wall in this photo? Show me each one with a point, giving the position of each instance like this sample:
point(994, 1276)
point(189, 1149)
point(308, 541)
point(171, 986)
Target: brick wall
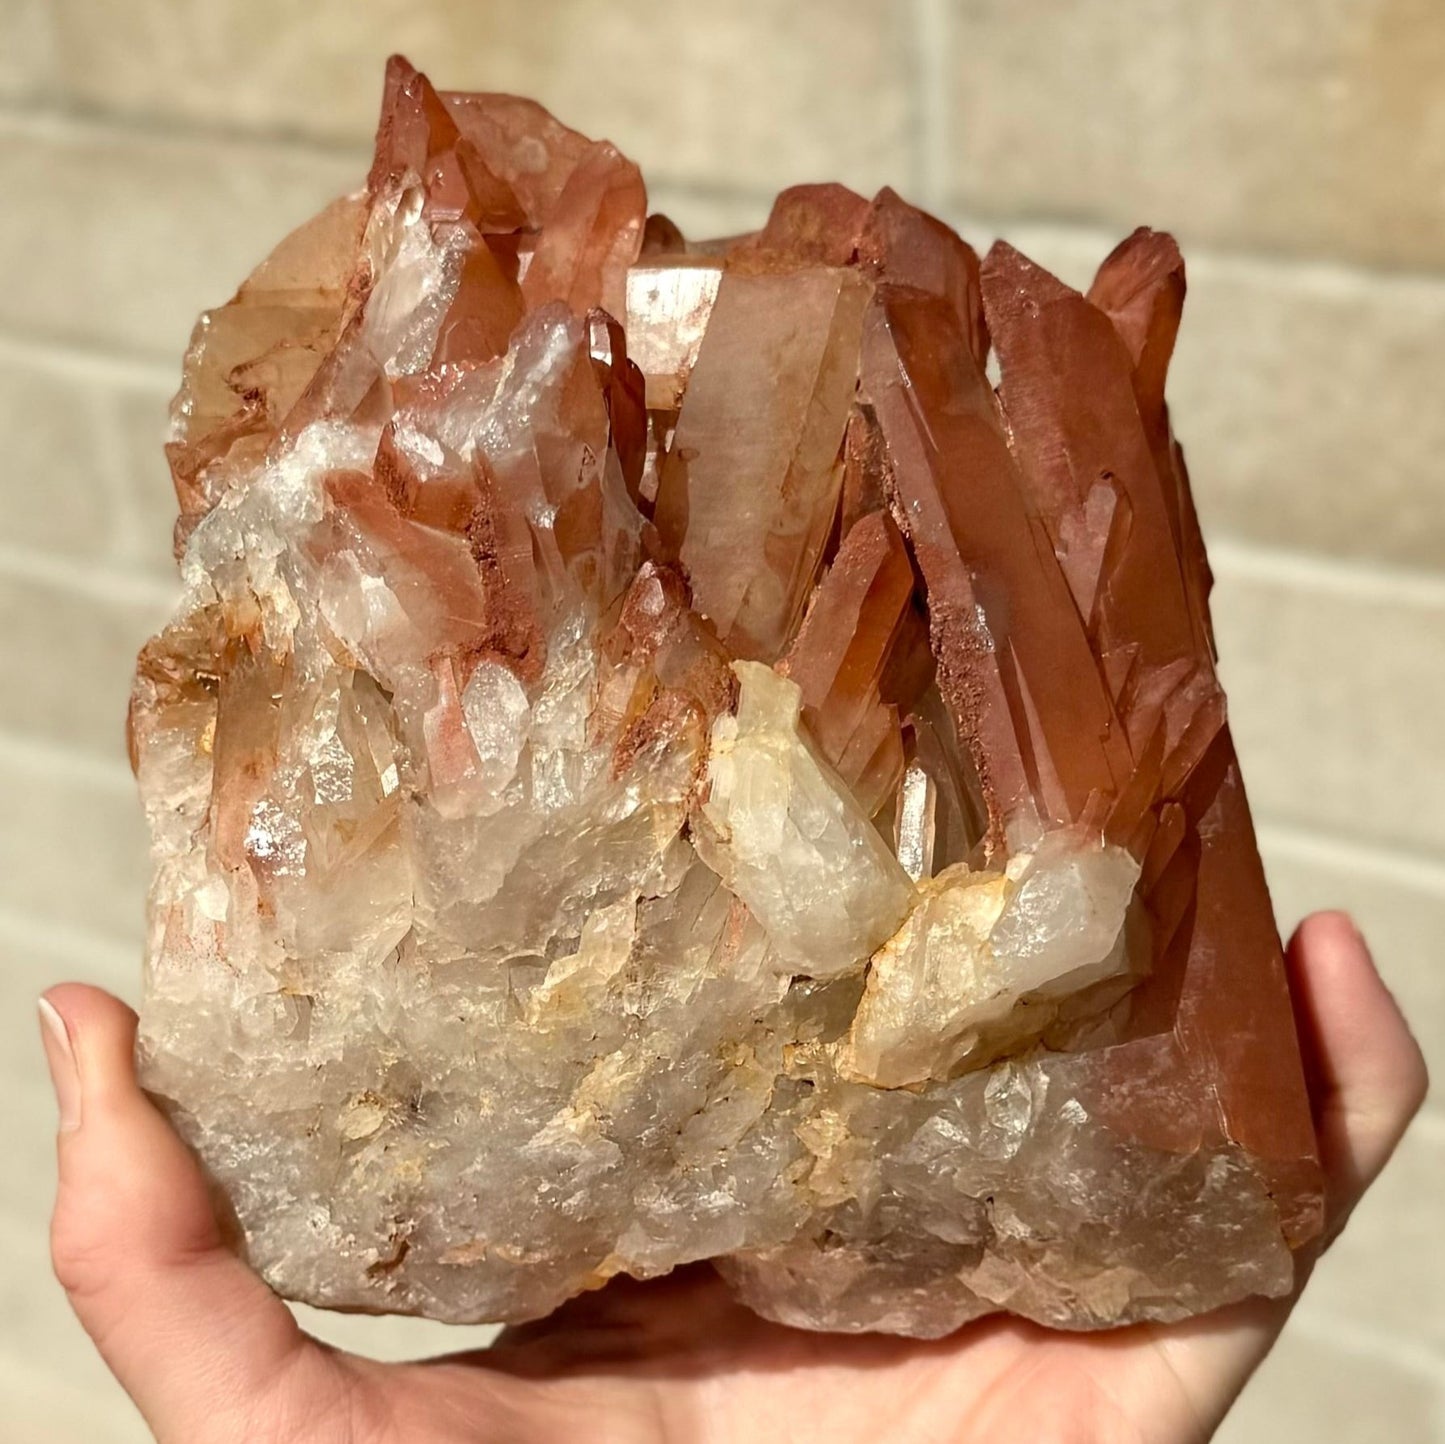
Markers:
point(150, 152)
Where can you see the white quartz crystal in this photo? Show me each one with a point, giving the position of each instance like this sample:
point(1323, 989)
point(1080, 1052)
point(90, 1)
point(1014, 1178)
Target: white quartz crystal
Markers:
point(790, 841)
point(972, 972)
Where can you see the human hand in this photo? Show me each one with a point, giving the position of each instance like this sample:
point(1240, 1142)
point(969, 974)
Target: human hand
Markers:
point(211, 1355)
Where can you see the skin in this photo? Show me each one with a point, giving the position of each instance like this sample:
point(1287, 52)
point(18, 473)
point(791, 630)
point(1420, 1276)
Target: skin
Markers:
point(210, 1355)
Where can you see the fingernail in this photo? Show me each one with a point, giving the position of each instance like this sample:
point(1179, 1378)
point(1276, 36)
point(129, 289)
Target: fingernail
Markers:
point(60, 1056)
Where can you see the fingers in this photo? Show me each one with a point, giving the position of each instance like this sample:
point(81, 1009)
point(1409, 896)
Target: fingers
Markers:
point(1366, 1073)
point(186, 1327)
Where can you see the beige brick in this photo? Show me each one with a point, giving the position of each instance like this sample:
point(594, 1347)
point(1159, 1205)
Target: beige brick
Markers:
point(137, 418)
point(58, 496)
point(1309, 403)
point(120, 240)
point(1306, 396)
point(27, 53)
point(1386, 1273)
point(1399, 905)
point(69, 655)
point(1313, 128)
point(1309, 1391)
point(748, 93)
point(1336, 682)
point(73, 850)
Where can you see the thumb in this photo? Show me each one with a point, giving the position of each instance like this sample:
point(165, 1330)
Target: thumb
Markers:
point(192, 1334)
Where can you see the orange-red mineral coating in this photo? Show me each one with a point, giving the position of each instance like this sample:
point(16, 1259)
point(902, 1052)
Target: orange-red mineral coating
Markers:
point(750, 484)
point(1069, 391)
point(1014, 662)
point(861, 619)
point(594, 235)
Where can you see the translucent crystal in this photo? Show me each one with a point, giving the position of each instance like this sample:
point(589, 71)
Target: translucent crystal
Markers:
point(788, 839)
point(983, 960)
point(658, 760)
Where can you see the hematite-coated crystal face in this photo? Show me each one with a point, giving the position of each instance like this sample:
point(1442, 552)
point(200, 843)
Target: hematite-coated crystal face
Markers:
point(659, 760)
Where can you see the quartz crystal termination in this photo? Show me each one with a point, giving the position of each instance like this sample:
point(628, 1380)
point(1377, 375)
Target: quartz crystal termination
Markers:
point(658, 759)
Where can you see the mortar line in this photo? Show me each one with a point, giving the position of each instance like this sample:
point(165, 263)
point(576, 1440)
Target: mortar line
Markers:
point(87, 121)
point(928, 18)
point(962, 210)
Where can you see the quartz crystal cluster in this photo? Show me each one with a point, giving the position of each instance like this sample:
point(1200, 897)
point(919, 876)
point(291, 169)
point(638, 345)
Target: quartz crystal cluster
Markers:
point(659, 758)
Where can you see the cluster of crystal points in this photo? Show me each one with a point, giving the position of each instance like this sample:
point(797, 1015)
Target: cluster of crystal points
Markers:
point(658, 759)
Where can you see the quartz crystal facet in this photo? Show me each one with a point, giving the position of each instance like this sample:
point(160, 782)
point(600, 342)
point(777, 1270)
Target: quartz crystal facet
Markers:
point(659, 759)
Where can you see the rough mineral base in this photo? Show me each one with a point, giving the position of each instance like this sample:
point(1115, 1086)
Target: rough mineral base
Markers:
point(660, 759)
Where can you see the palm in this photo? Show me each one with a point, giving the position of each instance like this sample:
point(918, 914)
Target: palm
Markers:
point(210, 1355)
point(679, 1360)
